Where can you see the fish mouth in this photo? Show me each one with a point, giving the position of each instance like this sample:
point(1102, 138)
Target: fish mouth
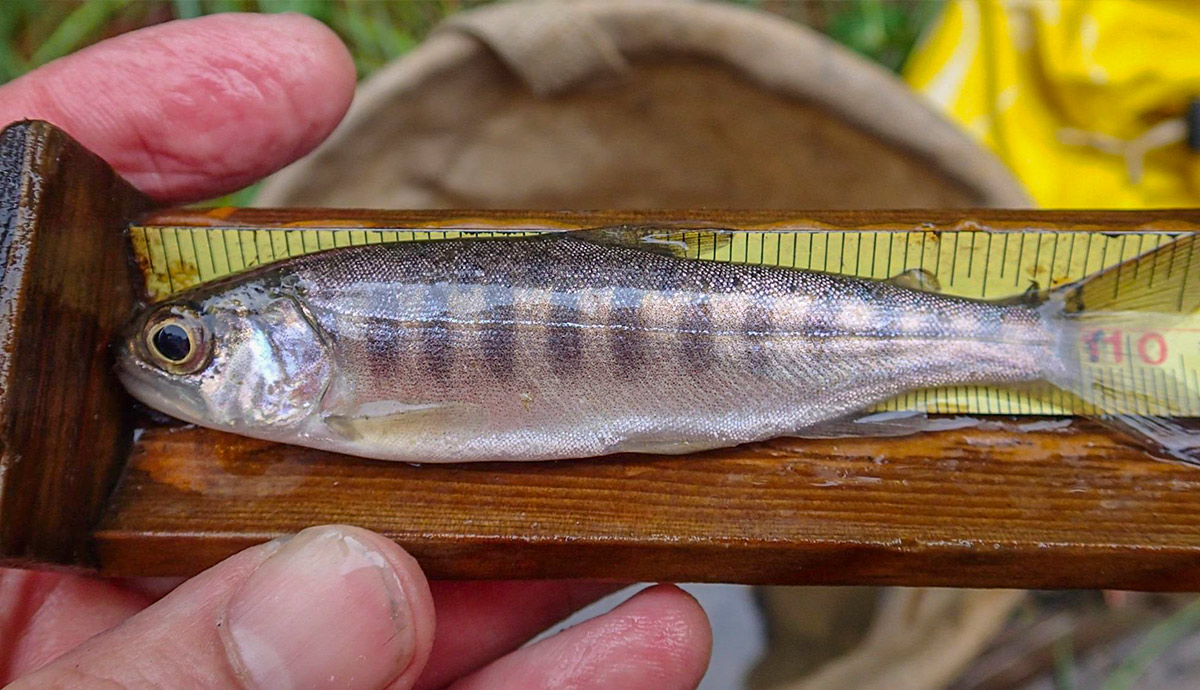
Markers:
point(152, 387)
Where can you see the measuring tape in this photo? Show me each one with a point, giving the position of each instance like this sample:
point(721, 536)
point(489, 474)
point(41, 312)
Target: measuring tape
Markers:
point(967, 263)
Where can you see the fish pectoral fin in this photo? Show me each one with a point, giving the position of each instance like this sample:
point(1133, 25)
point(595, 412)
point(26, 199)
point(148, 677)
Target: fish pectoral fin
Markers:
point(916, 279)
point(679, 242)
point(883, 424)
point(387, 418)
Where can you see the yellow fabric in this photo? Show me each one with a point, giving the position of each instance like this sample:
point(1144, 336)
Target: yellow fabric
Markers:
point(1020, 74)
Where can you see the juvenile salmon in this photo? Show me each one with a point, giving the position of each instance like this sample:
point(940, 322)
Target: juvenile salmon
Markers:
point(573, 345)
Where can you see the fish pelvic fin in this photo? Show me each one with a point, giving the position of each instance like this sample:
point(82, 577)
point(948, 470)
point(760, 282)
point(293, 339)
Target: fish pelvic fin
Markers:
point(680, 242)
point(1113, 335)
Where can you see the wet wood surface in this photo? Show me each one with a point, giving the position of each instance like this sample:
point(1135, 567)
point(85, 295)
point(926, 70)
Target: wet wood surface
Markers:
point(929, 220)
point(1003, 506)
point(65, 287)
point(989, 508)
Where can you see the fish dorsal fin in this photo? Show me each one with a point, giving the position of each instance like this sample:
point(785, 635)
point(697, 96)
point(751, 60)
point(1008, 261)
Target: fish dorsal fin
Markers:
point(1164, 280)
point(916, 279)
point(700, 243)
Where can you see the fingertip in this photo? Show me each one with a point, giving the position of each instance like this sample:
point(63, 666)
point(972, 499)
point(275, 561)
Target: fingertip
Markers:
point(681, 608)
point(659, 639)
point(680, 633)
point(335, 604)
point(195, 108)
point(311, 65)
point(417, 593)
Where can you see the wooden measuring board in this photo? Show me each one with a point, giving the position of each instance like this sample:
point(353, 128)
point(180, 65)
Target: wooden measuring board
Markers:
point(1164, 362)
point(1020, 502)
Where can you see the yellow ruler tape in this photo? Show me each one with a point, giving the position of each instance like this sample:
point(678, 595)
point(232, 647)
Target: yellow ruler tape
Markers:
point(968, 263)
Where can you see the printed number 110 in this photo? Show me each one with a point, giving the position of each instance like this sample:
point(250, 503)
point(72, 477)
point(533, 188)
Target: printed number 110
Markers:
point(1151, 347)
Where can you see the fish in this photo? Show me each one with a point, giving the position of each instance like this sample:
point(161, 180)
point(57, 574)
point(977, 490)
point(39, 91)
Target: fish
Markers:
point(589, 343)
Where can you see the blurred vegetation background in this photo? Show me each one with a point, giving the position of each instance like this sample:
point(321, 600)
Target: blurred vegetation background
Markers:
point(34, 32)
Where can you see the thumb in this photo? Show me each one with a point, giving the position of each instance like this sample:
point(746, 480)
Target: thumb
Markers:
point(331, 607)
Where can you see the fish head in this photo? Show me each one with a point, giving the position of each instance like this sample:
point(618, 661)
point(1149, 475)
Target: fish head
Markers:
point(247, 360)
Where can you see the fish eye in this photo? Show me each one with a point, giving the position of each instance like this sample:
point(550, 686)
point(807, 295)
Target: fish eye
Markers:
point(176, 342)
point(172, 342)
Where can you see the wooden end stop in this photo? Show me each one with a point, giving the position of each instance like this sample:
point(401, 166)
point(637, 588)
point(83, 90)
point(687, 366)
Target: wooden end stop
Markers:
point(64, 292)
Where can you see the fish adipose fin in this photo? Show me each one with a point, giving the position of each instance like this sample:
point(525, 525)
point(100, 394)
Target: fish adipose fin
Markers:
point(1032, 297)
point(679, 242)
point(1114, 337)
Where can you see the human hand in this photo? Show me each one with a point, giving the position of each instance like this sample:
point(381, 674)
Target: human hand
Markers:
point(188, 110)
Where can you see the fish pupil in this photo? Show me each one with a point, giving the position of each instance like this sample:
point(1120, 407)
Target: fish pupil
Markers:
point(172, 342)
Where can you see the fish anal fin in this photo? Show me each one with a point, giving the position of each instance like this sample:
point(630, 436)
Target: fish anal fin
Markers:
point(882, 425)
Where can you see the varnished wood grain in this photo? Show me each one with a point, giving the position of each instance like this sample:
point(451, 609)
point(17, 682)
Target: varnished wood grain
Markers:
point(991, 508)
point(64, 289)
point(933, 220)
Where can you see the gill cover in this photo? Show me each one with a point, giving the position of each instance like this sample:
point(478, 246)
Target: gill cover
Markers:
point(270, 366)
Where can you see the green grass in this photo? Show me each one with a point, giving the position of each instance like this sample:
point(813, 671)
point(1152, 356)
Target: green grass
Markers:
point(1064, 664)
point(33, 32)
point(885, 31)
point(1125, 673)
point(1157, 640)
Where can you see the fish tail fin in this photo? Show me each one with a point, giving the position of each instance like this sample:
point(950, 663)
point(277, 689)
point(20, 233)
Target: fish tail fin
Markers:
point(1119, 347)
